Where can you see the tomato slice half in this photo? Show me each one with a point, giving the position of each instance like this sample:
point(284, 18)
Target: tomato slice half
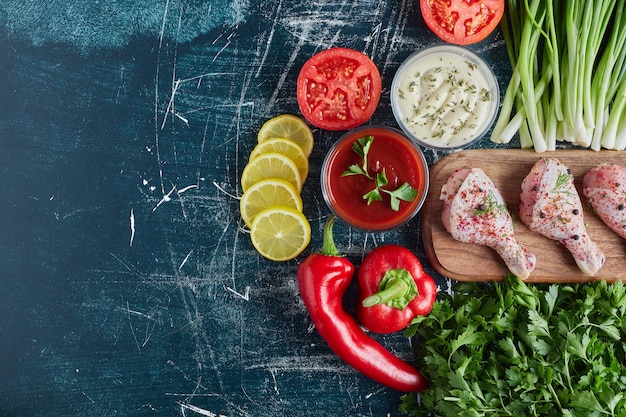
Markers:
point(462, 22)
point(338, 89)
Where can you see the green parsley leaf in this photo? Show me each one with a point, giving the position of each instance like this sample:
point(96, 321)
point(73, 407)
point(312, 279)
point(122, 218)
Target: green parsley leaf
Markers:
point(550, 298)
point(403, 193)
point(587, 401)
point(512, 349)
point(361, 147)
point(381, 179)
point(354, 170)
point(373, 195)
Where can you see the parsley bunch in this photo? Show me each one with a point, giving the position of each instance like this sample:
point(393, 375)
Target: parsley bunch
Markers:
point(405, 192)
point(512, 349)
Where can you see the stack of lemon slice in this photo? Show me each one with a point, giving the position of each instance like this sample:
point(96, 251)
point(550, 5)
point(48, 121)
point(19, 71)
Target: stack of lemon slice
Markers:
point(271, 205)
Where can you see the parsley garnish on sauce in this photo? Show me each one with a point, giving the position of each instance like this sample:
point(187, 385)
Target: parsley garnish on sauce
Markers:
point(403, 193)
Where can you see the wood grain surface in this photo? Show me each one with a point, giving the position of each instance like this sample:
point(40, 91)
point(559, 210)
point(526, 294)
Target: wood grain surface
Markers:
point(507, 168)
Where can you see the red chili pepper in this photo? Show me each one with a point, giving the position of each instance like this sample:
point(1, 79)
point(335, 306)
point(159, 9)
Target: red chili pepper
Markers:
point(393, 289)
point(323, 279)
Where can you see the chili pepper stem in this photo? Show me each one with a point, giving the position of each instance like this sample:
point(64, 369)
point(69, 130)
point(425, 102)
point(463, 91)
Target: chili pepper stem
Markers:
point(328, 244)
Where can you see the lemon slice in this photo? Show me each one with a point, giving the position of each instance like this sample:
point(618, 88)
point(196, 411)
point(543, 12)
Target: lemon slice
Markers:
point(280, 233)
point(290, 127)
point(270, 165)
point(267, 193)
point(286, 147)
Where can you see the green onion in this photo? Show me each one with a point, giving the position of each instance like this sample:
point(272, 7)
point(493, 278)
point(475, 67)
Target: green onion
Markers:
point(569, 74)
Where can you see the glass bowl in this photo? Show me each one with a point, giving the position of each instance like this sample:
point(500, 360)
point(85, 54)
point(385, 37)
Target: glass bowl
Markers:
point(445, 97)
point(390, 152)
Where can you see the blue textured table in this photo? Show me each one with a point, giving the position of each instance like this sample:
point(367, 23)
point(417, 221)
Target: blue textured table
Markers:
point(129, 286)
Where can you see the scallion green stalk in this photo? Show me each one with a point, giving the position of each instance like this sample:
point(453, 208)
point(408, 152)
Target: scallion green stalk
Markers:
point(569, 72)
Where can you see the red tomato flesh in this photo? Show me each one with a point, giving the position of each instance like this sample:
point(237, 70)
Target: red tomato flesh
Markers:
point(338, 89)
point(462, 22)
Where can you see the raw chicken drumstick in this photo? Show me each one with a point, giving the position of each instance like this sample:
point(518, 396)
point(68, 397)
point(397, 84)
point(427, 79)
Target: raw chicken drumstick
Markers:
point(551, 206)
point(475, 212)
point(605, 188)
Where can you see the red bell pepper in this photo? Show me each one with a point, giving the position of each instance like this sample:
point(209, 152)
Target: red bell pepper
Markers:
point(323, 279)
point(393, 289)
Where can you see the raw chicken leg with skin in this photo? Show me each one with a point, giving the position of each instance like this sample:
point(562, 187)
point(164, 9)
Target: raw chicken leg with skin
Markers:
point(550, 205)
point(475, 212)
point(605, 188)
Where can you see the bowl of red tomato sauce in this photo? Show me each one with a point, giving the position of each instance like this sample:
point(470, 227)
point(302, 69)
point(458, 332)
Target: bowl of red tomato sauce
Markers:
point(374, 178)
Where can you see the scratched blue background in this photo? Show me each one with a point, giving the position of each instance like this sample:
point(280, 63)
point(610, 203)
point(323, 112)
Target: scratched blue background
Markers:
point(129, 286)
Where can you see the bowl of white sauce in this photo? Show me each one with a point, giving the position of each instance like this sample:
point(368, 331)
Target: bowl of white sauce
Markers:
point(445, 97)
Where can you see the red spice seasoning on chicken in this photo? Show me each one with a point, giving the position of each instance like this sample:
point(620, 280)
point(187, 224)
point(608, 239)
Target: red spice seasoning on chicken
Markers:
point(550, 205)
point(604, 186)
point(475, 212)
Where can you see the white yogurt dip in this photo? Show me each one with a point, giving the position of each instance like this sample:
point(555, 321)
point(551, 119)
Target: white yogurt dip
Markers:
point(445, 97)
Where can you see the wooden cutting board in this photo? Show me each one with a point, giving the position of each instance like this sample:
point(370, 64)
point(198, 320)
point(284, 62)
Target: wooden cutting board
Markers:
point(507, 168)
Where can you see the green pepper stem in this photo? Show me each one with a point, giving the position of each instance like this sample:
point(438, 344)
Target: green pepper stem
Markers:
point(396, 289)
point(328, 245)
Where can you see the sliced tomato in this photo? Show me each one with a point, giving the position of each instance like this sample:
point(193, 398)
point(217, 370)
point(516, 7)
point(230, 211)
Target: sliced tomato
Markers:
point(338, 89)
point(462, 22)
